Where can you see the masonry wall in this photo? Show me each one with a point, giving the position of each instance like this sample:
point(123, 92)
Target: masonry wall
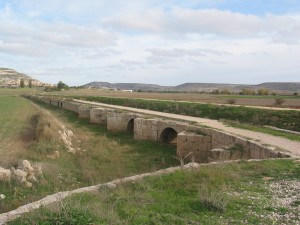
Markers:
point(118, 121)
point(211, 145)
point(84, 112)
point(71, 106)
point(193, 146)
point(99, 115)
point(177, 126)
point(146, 129)
point(55, 102)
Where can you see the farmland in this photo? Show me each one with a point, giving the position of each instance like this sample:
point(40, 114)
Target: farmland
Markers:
point(291, 101)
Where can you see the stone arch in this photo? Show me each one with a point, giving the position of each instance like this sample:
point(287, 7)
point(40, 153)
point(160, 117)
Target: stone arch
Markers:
point(130, 126)
point(169, 136)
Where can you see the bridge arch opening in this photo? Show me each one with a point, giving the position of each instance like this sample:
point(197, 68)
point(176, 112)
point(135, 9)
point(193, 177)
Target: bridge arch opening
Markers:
point(130, 126)
point(169, 136)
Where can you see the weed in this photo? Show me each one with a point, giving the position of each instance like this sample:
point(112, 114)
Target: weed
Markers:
point(231, 101)
point(279, 101)
point(236, 148)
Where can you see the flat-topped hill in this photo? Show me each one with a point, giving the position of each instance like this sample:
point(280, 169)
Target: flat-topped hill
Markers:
point(11, 78)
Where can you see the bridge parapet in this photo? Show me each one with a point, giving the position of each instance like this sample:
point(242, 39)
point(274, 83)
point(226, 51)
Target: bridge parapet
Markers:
point(99, 115)
point(200, 144)
point(121, 121)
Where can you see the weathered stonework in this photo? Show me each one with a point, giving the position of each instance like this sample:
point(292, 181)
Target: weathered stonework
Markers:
point(164, 124)
point(55, 102)
point(99, 115)
point(193, 146)
point(71, 106)
point(218, 154)
point(119, 121)
point(195, 141)
point(84, 111)
point(146, 129)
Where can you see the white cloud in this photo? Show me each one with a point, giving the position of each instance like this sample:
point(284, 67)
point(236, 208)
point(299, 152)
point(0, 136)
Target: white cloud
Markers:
point(167, 42)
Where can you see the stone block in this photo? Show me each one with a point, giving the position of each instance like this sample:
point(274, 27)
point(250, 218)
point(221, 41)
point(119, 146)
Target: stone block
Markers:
point(84, 112)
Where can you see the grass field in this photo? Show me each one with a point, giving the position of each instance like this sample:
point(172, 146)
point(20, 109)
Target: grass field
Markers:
point(15, 116)
point(292, 101)
point(238, 193)
point(15, 91)
point(104, 156)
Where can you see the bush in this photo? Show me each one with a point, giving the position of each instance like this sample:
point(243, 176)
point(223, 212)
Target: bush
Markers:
point(231, 101)
point(212, 200)
point(279, 101)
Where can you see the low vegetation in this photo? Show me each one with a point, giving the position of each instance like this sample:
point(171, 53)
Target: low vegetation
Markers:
point(238, 193)
point(281, 119)
point(30, 133)
point(290, 136)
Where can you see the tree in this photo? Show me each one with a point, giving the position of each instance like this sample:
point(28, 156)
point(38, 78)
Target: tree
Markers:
point(247, 91)
point(263, 91)
point(62, 85)
point(22, 83)
point(30, 83)
point(225, 92)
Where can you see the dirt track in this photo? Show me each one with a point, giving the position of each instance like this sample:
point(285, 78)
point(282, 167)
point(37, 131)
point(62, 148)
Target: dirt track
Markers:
point(283, 143)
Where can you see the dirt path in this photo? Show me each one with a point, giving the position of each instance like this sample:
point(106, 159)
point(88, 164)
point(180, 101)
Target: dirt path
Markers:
point(283, 143)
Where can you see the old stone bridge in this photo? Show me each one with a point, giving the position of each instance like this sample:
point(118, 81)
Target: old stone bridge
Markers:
point(193, 143)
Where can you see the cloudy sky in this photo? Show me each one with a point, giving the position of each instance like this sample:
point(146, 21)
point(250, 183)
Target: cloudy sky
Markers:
point(152, 41)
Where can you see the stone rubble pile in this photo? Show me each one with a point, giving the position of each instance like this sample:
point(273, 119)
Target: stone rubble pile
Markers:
point(67, 136)
point(24, 173)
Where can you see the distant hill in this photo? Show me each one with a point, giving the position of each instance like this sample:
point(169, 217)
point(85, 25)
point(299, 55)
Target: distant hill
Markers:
point(204, 86)
point(207, 87)
point(127, 86)
point(11, 78)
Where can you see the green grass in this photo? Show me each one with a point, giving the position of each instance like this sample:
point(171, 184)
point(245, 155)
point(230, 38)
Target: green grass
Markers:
point(105, 156)
point(15, 91)
point(235, 193)
point(15, 115)
point(281, 119)
point(293, 137)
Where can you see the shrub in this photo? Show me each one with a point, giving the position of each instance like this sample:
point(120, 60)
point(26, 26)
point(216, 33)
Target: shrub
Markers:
point(279, 101)
point(231, 101)
point(225, 92)
point(212, 200)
